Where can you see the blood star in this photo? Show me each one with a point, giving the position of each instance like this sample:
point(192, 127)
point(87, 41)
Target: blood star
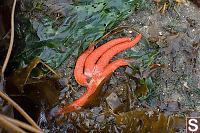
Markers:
point(92, 67)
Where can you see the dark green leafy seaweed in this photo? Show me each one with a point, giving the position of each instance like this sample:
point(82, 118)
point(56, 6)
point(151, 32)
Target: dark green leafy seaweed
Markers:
point(80, 24)
point(144, 56)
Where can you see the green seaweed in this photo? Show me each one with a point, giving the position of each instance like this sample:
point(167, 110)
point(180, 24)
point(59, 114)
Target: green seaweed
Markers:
point(82, 23)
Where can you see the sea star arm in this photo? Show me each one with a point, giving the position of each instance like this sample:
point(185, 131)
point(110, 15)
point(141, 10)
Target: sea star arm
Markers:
point(79, 102)
point(80, 77)
point(92, 87)
point(113, 66)
point(94, 56)
point(109, 54)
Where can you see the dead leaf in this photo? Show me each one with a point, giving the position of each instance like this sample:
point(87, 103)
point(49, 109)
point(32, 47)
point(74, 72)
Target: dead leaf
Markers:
point(21, 76)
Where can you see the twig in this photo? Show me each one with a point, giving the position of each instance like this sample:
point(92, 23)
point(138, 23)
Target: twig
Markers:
point(4, 121)
point(49, 68)
point(1, 82)
point(122, 27)
point(22, 112)
point(22, 124)
point(72, 88)
point(10, 126)
point(11, 40)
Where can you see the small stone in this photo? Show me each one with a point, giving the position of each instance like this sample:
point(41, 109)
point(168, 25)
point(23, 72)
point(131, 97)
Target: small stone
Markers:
point(88, 123)
point(96, 110)
point(62, 95)
point(113, 101)
point(63, 102)
point(64, 81)
point(100, 118)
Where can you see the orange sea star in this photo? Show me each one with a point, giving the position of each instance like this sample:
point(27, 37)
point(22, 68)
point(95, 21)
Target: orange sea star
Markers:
point(93, 67)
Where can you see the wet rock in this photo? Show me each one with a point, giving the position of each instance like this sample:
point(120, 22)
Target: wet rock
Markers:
point(173, 106)
point(88, 123)
point(96, 110)
point(100, 118)
point(63, 81)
